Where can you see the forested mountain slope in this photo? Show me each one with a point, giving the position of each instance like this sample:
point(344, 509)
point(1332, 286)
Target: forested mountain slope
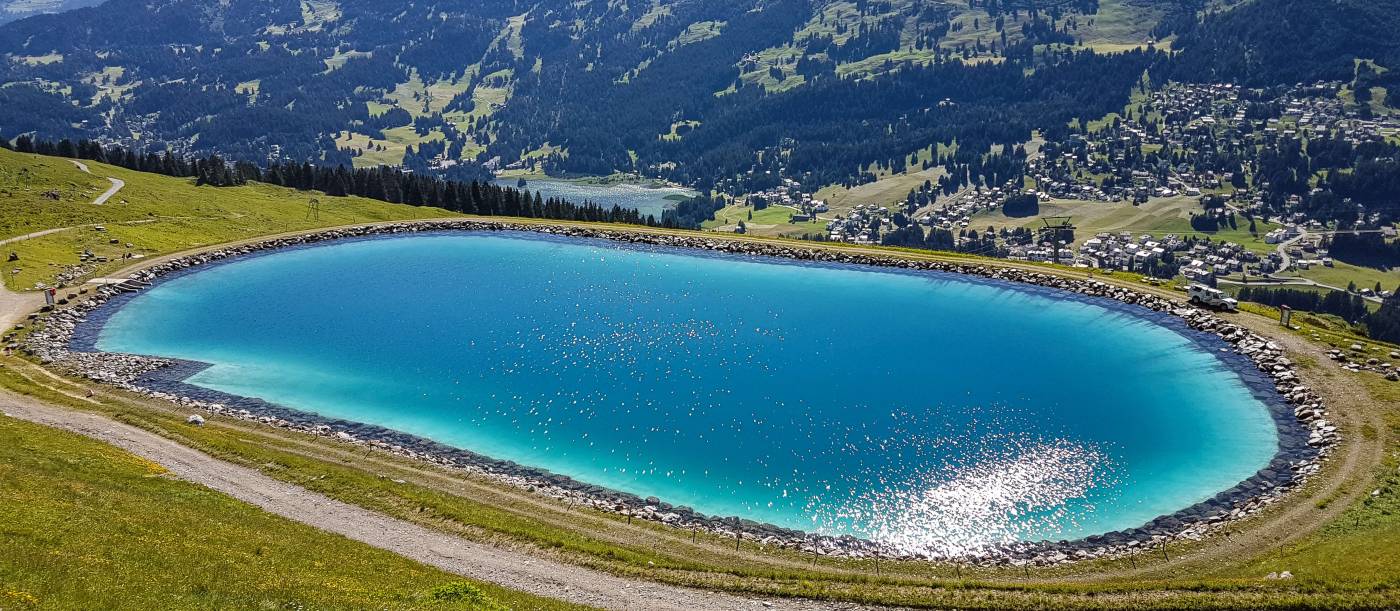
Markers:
point(700, 91)
point(1274, 42)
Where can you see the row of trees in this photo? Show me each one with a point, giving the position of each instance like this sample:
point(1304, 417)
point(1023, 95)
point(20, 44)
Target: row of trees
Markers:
point(1382, 324)
point(1369, 249)
point(211, 170)
point(1021, 206)
point(1349, 307)
point(971, 241)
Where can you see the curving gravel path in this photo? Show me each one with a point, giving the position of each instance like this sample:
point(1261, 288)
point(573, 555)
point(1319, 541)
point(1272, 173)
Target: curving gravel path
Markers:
point(13, 305)
point(117, 184)
point(510, 568)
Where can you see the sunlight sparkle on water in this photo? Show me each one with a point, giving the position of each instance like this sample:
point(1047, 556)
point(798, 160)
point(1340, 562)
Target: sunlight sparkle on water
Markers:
point(1004, 497)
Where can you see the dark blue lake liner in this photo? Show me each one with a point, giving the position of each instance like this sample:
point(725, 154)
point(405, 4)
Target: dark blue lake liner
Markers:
point(1292, 435)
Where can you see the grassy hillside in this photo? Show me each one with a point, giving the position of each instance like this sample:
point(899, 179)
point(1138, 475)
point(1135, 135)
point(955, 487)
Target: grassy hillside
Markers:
point(88, 526)
point(154, 214)
point(1357, 550)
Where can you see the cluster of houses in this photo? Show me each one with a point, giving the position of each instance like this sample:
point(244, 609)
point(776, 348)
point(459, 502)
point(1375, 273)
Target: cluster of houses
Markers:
point(1197, 260)
point(863, 225)
point(1042, 252)
point(789, 194)
point(1201, 260)
point(1174, 146)
point(1200, 124)
point(956, 212)
point(1281, 235)
point(1304, 253)
point(1113, 163)
point(1124, 251)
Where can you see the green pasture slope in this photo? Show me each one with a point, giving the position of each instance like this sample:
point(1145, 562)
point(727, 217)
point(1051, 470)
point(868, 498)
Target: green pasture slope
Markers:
point(155, 214)
point(84, 525)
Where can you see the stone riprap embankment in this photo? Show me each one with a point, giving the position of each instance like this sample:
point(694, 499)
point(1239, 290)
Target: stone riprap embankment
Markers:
point(66, 336)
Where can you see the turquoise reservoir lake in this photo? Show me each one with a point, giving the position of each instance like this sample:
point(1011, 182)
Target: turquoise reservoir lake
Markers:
point(937, 413)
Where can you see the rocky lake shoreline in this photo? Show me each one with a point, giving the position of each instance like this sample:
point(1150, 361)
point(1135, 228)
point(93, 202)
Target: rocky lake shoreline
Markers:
point(68, 335)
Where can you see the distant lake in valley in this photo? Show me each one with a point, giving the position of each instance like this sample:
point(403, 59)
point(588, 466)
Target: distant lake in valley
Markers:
point(643, 198)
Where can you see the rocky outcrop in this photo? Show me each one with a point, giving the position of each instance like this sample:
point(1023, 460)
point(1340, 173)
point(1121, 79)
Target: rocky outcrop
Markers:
point(66, 336)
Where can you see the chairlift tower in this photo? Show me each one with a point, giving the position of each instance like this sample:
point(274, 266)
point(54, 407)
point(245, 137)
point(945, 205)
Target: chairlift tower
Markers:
point(1055, 231)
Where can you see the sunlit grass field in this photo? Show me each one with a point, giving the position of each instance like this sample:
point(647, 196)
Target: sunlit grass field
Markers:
point(89, 526)
point(155, 214)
